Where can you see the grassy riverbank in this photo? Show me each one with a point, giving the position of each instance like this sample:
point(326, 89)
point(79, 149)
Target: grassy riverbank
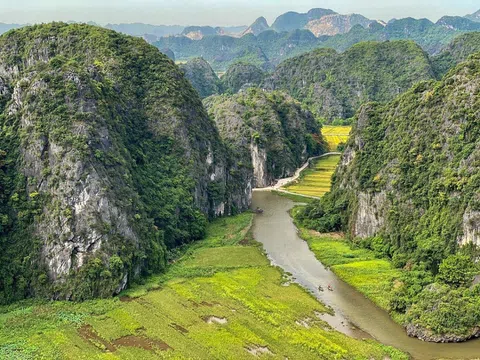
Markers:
point(373, 277)
point(220, 300)
point(316, 180)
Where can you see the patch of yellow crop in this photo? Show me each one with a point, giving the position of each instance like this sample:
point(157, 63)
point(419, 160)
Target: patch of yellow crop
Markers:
point(316, 181)
point(335, 135)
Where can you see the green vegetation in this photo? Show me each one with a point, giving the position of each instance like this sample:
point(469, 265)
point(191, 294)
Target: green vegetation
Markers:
point(202, 77)
point(205, 306)
point(336, 136)
point(410, 194)
point(240, 75)
point(103, 153)
point(271, 48)
point(334, 85)
point(456, 52)
point(316, 180)
point(269, 127)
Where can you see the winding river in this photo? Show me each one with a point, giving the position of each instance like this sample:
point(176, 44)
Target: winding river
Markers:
point(355, 315)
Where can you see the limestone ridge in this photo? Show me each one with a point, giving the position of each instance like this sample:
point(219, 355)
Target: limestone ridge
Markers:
point(107, 158)
point(268, 134)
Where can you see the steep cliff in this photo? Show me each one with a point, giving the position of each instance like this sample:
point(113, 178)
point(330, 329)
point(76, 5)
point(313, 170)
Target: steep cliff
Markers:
point(336, 24)
point(107, 158)
point(267, 133)
point(408, 187)
point(334, 85)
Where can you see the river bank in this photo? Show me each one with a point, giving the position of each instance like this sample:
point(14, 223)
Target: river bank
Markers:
point(219, 299)
point(276, 231)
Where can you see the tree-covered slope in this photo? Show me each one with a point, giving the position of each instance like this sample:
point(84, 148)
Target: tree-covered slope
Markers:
point(267, 134)
point(202, 77)
point(334, 85)
point(107, 158)
point(240, 76)
point(409, 188)
point(456, 52)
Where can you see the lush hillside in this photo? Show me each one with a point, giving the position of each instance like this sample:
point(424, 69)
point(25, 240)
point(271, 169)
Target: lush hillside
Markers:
point(107, 158)
point(334, 85)
point(269, 48)
point(408, 188)
point(240, 76)
point(202, 77)
point(456, 52)
point(267, 133)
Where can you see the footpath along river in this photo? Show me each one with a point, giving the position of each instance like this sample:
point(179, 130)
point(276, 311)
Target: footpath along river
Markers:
point(355, 315)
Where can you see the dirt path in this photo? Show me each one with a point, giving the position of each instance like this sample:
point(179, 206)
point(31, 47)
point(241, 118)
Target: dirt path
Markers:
point(284, 182)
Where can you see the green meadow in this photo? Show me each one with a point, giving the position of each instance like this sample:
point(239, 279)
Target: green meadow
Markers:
point(316, 180)
point(220, 299)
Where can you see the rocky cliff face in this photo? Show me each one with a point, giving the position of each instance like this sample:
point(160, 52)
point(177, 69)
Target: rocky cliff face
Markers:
point(268, 134)
point(107, 158)
point(336, 24)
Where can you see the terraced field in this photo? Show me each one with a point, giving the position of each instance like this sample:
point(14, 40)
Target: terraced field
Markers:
point(335, 135)
point(316, 181)
point(221, 299)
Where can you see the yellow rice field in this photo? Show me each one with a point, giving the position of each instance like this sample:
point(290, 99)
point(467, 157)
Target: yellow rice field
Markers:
point(335, 135)
point(316, 181)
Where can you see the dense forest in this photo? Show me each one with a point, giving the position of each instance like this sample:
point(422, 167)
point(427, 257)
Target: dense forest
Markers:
point(408, 188)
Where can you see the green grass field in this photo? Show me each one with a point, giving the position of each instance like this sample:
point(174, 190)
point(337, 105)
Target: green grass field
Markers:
point(316, 181)
point(335, 135)
point(358, 267)
point(220, 300)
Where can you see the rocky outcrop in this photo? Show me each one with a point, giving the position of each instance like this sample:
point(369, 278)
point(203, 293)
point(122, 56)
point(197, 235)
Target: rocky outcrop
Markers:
point(107, 160)
point(427, 335)
point(336, 24)
point(268, 134)
point(470, 228)
point(370, 214)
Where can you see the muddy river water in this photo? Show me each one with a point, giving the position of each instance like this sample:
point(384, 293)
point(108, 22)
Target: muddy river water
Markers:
point(355, 315)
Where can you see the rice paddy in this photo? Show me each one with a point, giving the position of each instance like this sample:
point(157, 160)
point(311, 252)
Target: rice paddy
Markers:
point(220, 300)
point(316, 180)
point(335, 135)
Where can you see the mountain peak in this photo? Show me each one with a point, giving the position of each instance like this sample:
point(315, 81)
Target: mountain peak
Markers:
point(258, 26)
point(474, 17)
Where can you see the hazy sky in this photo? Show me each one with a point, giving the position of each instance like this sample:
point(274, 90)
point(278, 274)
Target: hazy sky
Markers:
point(217, 12)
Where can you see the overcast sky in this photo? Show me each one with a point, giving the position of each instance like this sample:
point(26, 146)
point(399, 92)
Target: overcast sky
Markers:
point(217, 12)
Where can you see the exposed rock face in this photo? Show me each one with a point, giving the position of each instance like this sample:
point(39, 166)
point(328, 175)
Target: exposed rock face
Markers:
point(293, 21)
point(105, 160)
point(268, 134)
point(470, 228)
point(336, 24)
point(370, 214)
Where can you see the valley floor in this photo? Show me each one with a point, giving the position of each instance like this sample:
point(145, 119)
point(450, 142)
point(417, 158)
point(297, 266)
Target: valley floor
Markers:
point(220, 300)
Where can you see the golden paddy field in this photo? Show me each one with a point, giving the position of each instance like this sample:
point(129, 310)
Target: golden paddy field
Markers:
point(316, 181)
point(335, 135)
